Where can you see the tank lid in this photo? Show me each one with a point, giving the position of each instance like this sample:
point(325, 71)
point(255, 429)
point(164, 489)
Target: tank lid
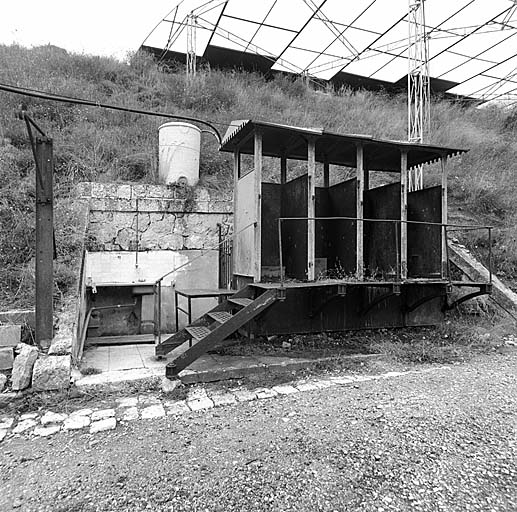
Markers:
point(177, 124)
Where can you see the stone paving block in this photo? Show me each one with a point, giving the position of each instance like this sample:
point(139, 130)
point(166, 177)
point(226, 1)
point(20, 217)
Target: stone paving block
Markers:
point(10, 335)
point(128, 401)
point(177, 407)
point(306, 386)
point(23, 366)
point(82, 412)
point(153, 411)
point(324, 383)
point(200, 404)
point(6, 358)
point(102, 425)
point(6, 422)
point(148, 400)
point(3, 433)
point(342, 380)
point(47, 431)
point(129, 414)
point(76, 422)
point(29, 415)
point(103, 414)
point(24, 425)
point(196, 394)
point(265, 393)
point(285, 389)
point(223, 399)
point(244, 395)
point(52, 417)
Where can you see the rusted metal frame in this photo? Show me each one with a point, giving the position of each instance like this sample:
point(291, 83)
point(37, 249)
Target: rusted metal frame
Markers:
point(420, 302)
point(469, 296)
point(311, 208)
point(257, 164)
point(44, 242)
point(180, 337)
point(444, 251)
point(359, 268)
point(403, 212)
point(221, 332)
point(319, 300)
point(394, 292)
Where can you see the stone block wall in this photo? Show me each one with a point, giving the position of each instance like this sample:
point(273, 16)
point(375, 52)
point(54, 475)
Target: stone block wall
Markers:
point(154, 217)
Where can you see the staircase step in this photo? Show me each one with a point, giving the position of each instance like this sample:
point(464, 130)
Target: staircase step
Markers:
point(220, 316)
point(198, 332)
point(240, 301)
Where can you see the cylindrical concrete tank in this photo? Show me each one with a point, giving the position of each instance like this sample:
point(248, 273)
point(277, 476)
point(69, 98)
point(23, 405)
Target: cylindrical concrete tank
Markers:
point(179, 148)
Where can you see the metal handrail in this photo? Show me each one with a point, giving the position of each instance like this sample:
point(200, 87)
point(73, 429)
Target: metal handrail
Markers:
point(445, 228)
point(157, 288)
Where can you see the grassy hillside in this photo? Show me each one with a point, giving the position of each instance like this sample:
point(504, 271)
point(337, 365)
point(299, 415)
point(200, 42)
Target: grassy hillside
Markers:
point(96, 144)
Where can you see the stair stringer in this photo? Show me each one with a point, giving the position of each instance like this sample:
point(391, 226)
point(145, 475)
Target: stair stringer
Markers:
point(185, 354)
point(182, 335)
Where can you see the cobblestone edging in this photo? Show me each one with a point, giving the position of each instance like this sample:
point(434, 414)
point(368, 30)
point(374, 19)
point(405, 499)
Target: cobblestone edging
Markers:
point(46, 423)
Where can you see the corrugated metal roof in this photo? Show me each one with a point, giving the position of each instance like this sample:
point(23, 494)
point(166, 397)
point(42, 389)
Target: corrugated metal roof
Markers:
point(336, 148)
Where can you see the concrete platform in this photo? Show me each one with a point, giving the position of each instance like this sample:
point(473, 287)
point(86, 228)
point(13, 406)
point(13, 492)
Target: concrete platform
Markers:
point(121, 363)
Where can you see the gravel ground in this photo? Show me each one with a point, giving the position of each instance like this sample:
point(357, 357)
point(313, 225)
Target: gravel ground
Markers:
point(443, 440)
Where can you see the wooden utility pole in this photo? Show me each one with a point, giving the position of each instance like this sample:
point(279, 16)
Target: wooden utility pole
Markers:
point(44, 241)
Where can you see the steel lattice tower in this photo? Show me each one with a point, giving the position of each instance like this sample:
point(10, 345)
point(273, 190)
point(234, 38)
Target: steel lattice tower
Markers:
point(418, 84)
point(191, 46)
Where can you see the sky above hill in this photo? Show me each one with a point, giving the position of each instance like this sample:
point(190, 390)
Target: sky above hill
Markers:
point(98, 27)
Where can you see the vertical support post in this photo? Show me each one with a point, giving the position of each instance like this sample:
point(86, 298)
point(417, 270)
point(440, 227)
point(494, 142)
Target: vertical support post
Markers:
point(403, 213)
point(326, 172)
point(44, 242)
point(257, 256)
point(283, 169)
point(359, 228)
point(311, 208)
point(443, 164)
point(236, 173)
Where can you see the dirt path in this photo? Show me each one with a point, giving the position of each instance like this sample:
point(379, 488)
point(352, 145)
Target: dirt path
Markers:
point(443, 440)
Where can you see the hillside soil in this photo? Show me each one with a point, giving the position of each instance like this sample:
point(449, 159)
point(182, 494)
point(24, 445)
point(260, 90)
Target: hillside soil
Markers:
point(441, 440)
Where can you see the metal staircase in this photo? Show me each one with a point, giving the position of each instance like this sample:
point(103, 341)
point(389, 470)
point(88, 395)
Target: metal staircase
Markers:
point(187, 345)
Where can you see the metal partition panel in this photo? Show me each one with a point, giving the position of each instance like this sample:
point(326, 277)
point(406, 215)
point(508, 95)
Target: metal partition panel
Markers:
point(294, 232)
point(381, 239)
point(244, 243)
point(342, 233)
point(271, 211)
point(424, 242)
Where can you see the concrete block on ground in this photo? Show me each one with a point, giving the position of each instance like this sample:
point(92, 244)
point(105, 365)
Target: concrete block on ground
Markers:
point(52, 417)
point(129, 414)
point(3, 433)
point(24, 425)
point(23, 366)
point(6, 358)
point(102, 425)
point(51, 373)
point(103, 414)
point(285, 389)
point(223, 399)
point(47, 431)
point(60, 346)
point(152, 412)
point(265, 393)
point(168, 385)
point(176, 408)
point(200, 404)
point(10, 335)
point(244, 395)
point(76, 422)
